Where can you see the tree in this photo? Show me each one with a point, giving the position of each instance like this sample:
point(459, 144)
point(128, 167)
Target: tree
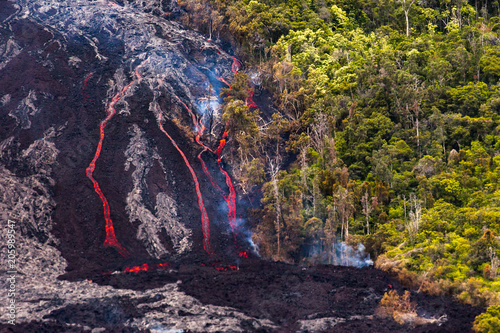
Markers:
point(274, 166)
point(494, 262)
point(406, 6)
point(413, 224)
point(293, 224)
point(488, 322)
point(367, 209)
point(343, 202)
point(331, 226)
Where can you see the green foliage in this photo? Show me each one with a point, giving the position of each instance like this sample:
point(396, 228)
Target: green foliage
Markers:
point(488, 322)
point(398, 132)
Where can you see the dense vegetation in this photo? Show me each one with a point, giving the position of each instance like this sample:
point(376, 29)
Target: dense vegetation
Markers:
point(391, 114)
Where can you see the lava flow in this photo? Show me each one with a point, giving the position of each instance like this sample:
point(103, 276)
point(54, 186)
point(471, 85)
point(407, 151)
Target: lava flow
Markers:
point(110, 230)
point(226, 268)
point(235, 66)
point(222, 268)
point(204, 215)
point(84, 86)
point(146, 267)
point(249, 100)
point(231, 197)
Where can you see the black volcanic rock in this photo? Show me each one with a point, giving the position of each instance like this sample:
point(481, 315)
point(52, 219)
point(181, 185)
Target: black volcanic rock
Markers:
point(62, 66)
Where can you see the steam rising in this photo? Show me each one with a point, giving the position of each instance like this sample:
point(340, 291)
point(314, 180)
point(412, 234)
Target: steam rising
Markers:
point(340, 254)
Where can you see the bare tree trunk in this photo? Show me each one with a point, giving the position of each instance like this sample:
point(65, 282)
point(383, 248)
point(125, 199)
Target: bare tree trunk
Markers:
point(278, 211)
point(406, 9)
point(494, 263)
point(407, 23)
point(210, 29)
point(404, 204)
point(274, 165)
point(415, 216)
point(346, 227)
point(367, 209)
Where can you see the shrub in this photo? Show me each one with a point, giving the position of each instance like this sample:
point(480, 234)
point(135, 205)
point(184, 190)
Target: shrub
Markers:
point(403, 311)
point(488, 322)
point(400, 308)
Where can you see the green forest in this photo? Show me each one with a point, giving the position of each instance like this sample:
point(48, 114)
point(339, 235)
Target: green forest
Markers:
point(388, 133)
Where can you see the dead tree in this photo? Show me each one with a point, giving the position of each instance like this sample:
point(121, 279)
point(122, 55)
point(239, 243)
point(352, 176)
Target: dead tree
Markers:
point(494, 262)
point(406, 4)
point(415, 216)
point(273, 167)
point(367, 209)
point(345, 209)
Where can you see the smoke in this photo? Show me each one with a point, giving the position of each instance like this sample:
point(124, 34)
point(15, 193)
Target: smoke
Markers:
point(246, 234)
point(241, 230)
point(348, 256)
point(256, 79)
point(340, 254)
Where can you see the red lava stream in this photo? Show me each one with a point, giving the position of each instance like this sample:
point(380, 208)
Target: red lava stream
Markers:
point(231, 197)
point(204, 215)
point(110, 240)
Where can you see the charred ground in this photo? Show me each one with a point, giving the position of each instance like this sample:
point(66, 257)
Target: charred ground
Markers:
point(293, 298)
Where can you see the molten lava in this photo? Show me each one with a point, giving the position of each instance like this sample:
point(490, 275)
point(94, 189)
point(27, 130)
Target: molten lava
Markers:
point(225, 268)
point(227, 83)
point(146, 267)
point(236, 65)
point(222, 268)
point(203, 211)
point(86, 81)
point(110, 230)
point(231, 197)
point(249, 100)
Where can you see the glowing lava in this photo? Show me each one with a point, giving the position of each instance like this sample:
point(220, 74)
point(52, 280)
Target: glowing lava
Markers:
point(235, 66)
point(222, 268)
point(110, 231)
point(225, 268)
point(146, 267)
point(111, 240)
point(249, 100)
point(203, 211)
point(231, 197)
point(86, 81)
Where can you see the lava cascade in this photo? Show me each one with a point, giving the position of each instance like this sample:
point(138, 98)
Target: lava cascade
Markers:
point(230, 198)
point(110, 240)
point(110, 231)
point(204, 215)
point(146, 267)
